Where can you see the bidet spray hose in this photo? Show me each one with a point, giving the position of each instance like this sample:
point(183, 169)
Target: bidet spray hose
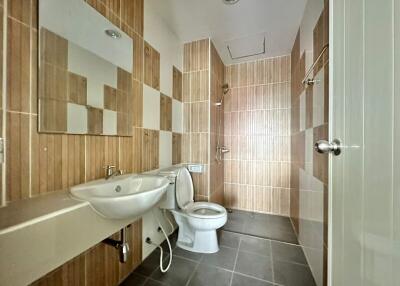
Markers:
point(163, 270)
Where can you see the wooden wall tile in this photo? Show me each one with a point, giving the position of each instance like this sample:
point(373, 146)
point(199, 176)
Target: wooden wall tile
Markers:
point(95, 120)
point(138, 54)
point(155, 60)
point(151, 66)
point(133, 14)
point(257, 133)
point(17, 169)
point(148, 76)
point(110, 98)
point(309, 107)
point(77, 89)
point(177, 84)
point(18, 62)
point(98, 156)
point(57, 161)
point(54, 83)
point(320, 161)
point(124, 124)
point(55, 49)
point(165, 113)
point(150, 150)
point(34, 71)
point(53, 117)
point(176, 148)
point(124, 81)
point(20, 10)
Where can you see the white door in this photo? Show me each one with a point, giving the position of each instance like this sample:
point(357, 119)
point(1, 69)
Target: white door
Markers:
point(364, 207)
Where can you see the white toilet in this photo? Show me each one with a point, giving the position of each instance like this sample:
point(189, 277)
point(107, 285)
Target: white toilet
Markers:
point(198, 221)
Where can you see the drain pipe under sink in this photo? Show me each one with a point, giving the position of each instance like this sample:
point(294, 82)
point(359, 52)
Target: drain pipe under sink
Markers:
point(121, 245)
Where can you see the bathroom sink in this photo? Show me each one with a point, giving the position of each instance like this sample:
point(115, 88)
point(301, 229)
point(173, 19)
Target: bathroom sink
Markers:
point(122, 197)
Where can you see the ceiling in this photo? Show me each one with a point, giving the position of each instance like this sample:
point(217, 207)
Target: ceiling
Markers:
point(242, 26)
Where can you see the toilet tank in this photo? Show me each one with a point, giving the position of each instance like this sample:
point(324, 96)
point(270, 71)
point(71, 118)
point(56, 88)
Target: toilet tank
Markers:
point(169, 200)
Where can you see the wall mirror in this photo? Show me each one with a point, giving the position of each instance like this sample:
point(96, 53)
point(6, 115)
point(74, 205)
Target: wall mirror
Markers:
point(85, 67)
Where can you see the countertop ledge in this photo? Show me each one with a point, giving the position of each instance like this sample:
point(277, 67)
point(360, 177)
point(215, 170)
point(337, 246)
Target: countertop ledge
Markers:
point(19, 214)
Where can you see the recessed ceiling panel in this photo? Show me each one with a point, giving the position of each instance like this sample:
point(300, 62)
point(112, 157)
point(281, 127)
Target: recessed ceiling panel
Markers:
point(248, 46)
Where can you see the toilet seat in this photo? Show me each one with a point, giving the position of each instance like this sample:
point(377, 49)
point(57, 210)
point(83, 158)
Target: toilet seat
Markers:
point(205, 210)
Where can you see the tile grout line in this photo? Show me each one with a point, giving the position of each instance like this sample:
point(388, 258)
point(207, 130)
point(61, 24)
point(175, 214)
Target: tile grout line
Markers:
point(193, 273)
point(272, 263)
point(259, 237)
point(236, 258)
point(256, 278)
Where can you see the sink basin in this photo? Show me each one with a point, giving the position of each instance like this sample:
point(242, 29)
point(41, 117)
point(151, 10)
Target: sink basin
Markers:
point(122, 197)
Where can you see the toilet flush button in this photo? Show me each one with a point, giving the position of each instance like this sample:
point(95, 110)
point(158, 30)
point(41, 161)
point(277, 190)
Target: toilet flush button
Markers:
point(194, 168)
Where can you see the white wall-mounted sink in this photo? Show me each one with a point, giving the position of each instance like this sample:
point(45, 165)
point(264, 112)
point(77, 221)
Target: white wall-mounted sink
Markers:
point(124, 196)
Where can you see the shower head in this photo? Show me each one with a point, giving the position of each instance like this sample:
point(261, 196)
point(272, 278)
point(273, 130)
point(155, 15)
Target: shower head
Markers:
point(225, 88)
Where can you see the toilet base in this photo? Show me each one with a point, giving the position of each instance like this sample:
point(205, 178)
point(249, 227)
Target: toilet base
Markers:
point(202, 241)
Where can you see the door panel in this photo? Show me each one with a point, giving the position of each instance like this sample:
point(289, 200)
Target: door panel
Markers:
point(364, 231)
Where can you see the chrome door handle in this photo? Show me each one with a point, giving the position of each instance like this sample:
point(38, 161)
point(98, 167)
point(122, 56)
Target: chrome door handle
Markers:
point(323, 146)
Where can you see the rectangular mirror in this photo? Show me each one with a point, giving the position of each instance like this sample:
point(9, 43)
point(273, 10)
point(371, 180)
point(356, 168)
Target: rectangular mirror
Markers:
point(85, 71)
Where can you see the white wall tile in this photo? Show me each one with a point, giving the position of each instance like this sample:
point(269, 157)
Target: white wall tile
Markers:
point(165, 149)
point(165, 41)
point(302, 111)
point(151, 108)
point(318, 99)
point(97, 71)
point(109, 122)
point(309, 149)
point(177, 116)
point(76, 119)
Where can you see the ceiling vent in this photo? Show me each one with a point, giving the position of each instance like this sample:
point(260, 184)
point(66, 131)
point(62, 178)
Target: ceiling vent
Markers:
point(247, 46)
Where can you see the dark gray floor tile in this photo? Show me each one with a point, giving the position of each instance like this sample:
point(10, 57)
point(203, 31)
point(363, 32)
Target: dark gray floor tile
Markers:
point(224, 258)
point(151, 282)
point(270, 233)
point(259, 246)
point(151, 263)
point(261, 225)
point(134, 279)
point(210, 276)
point(187, 254)
point(289, 274)
point(288, 252)
point(179, 273)
point(254, 265)
point(240, 280)
point(234, 225)
point(228, 239)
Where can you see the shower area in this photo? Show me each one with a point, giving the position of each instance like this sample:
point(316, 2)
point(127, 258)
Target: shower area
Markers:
point(251, 126)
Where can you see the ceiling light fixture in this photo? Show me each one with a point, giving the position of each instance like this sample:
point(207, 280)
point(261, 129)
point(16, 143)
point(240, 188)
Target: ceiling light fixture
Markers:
point(230, 2)
point(113, 33)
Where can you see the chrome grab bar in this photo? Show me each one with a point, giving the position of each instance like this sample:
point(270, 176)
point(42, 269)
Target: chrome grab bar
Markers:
point(310, 81)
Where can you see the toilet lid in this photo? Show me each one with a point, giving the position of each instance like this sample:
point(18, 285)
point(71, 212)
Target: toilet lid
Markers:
point(184, 188)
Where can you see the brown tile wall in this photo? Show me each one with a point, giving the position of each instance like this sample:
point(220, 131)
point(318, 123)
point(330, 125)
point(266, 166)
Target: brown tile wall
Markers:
point(298, 137)
point(217, 78)
point(38, 163)
point(257, 133)
point(196, 112)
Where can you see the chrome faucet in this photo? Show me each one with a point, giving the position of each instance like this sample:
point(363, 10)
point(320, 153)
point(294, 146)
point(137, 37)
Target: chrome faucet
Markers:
point(110, 173)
